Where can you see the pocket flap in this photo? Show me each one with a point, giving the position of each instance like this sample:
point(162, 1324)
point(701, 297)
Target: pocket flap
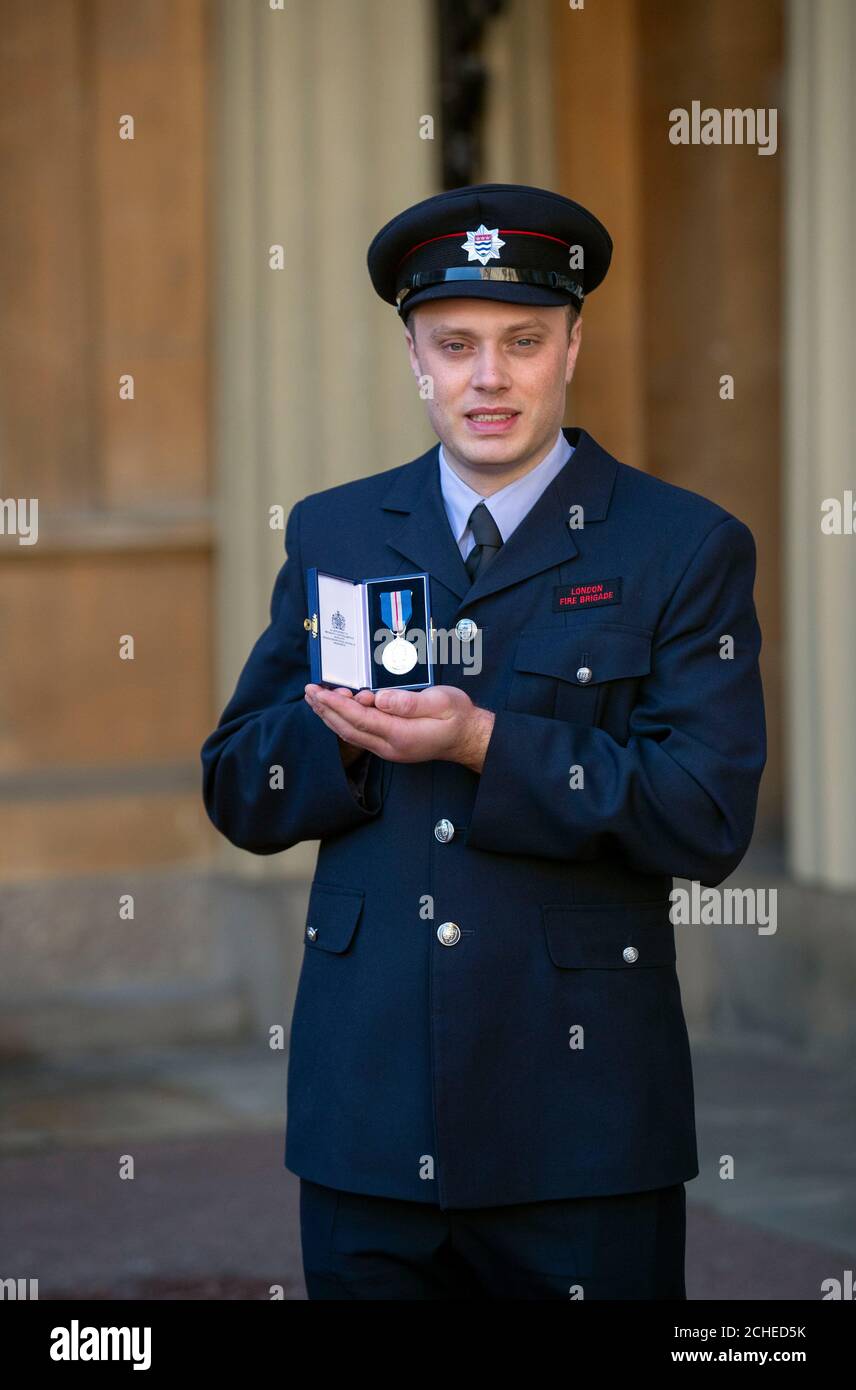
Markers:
point(332, 917)
point(596, 936)
point(609, 650)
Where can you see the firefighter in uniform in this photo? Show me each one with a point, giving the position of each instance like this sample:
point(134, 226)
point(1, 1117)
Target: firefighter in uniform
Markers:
point(490, 1089)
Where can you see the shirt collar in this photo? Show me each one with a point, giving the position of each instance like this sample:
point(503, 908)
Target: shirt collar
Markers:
point(509, 504)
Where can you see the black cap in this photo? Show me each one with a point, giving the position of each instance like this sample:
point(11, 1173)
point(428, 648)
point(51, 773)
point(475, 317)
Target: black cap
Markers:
point(490, 241)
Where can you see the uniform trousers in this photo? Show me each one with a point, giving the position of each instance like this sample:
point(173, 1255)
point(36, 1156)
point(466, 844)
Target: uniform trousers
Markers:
point(624, 1246)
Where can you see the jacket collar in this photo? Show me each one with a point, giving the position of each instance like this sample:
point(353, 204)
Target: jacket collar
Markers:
point(416, 526)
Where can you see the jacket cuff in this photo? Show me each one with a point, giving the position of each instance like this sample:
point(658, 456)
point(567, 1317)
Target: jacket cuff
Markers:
point(335, 797)
point(491, 819)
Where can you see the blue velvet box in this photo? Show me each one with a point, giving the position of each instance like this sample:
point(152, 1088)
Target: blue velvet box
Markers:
point(348, 632)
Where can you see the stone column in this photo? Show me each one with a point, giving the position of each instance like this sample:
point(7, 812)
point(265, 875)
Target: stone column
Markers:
point(316, 131)
point(820, 439)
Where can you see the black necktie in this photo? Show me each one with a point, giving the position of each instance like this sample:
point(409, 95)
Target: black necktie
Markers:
point(488, 541)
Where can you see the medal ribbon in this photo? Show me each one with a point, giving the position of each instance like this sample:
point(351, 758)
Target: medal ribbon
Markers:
point(396, 608)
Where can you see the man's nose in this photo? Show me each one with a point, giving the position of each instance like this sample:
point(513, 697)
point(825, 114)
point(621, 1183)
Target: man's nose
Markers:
point(489, 372)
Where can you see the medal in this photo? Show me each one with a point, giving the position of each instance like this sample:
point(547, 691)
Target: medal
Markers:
point(398, 656)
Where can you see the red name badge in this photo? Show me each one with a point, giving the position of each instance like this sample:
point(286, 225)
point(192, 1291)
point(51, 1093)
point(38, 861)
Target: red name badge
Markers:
point(599, 591)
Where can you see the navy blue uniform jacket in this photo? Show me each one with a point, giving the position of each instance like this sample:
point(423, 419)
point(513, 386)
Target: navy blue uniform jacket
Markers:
point(538, 1057)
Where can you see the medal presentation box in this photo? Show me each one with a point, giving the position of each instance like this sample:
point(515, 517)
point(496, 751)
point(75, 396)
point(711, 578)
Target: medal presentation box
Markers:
point(374, 635)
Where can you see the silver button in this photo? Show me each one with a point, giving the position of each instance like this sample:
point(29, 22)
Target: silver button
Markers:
point(449, 933)
point(466, 628)
point(630, 954)
point(444, 830)
point(584, 675)
point(311, 932)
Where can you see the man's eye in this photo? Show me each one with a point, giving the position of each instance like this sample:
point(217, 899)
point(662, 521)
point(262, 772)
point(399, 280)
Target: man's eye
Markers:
point(526, 342)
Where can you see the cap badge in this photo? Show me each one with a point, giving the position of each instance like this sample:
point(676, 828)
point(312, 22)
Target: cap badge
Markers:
point(482, 245)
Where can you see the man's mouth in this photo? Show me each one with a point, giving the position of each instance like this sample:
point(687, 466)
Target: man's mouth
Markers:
point(491, 420)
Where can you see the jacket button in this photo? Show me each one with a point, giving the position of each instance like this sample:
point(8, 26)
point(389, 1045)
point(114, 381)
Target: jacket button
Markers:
point(444, 830)
point(584, 675)
point(466, 629)
point(449, 933)
point(630, 954)
point(311, 932)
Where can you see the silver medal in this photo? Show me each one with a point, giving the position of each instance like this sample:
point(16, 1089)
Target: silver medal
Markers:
point(399, 656)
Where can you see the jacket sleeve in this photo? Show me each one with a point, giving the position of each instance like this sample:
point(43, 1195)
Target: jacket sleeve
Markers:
point(358, 774)
point(680, 796)
point(267, 725)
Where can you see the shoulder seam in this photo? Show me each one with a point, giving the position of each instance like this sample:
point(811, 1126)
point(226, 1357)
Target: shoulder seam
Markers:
point(688, 566)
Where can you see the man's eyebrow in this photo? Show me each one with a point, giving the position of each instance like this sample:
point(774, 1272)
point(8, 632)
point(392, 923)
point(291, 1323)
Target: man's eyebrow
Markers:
point(471, 332)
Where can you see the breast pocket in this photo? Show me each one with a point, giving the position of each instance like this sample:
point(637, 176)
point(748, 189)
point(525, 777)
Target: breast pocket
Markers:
point(571, 673)
point(609, 936)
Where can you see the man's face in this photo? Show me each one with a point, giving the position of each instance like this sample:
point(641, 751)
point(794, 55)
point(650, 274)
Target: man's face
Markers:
point(508, 362)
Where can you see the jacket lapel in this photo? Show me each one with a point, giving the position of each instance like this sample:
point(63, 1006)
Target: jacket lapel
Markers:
point(423, 534)
point(542, 540)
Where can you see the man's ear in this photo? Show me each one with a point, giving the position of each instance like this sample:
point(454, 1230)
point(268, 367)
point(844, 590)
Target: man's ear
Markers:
point(573, 348)
point(411, 348)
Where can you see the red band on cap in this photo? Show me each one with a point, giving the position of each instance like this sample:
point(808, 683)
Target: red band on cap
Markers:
point(503, 231)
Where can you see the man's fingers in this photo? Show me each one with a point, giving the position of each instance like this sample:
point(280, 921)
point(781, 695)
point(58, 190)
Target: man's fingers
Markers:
point(436, 702)
point(311, 690)
point(362, 718)
point(347, 731)
point(354, 721)
point(400, 702)
point(363, 697)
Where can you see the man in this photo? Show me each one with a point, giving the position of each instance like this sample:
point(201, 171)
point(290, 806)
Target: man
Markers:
point(489, 1085)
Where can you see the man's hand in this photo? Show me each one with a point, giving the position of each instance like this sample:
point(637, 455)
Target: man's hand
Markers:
point(407, 726)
